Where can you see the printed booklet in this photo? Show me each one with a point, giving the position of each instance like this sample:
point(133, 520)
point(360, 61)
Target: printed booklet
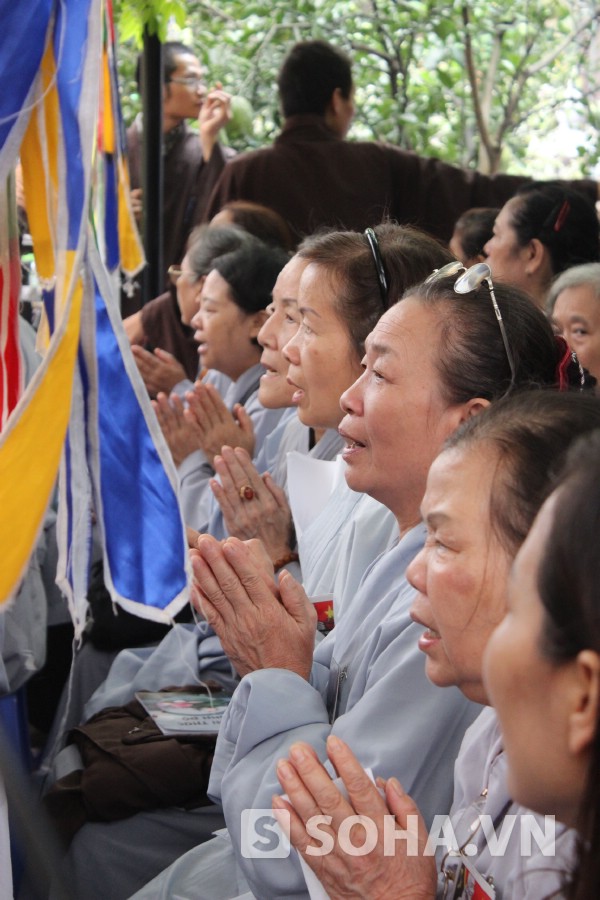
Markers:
point(176, 712)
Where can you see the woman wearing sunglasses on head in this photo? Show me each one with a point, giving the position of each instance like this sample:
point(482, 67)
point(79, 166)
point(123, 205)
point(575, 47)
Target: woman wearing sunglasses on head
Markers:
point(483, 492)
point(541, 231)
point(432, 361)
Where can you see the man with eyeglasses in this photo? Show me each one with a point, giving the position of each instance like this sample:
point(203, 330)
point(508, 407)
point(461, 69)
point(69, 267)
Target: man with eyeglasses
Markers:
point(193, 160)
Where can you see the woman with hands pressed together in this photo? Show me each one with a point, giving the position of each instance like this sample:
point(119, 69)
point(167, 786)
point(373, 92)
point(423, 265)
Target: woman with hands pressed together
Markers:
point(160, 369)
point(432, 361)
point(232, 310)
point(483, 492)
point(339, 301)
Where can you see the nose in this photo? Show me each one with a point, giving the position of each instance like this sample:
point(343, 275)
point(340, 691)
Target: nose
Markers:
point(291, 351)
point(266, 335)
point(197, 319)
point(351, 400)
point(415, 572)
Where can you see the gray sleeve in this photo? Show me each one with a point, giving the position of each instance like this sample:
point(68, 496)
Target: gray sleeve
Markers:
point(399, 724)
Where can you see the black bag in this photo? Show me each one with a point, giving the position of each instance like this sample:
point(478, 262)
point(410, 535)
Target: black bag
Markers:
point(130, 766)
point(112, 628)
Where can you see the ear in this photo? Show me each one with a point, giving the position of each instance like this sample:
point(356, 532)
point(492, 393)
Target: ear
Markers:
point(585, 702)
point(336, 101)
point(536, 255)
point(473, 407)
point(256, 322)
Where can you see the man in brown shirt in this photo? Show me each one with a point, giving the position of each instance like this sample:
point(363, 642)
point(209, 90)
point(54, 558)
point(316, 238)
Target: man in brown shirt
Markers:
point(313, 177)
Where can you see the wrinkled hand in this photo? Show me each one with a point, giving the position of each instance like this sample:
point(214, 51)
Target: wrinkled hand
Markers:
point(257, 551)
point(403, 873)
point(160, 370)
point(178, 434)
point(137, 206)
point(214, 115)
point(215, 424)
point(267, 516)
point(261, 626)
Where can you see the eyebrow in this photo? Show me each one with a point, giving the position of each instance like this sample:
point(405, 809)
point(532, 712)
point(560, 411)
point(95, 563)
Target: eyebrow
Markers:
point(435, 519)
point(308, 309)
point(378, 349)
point(577, 317)
point(289, 301)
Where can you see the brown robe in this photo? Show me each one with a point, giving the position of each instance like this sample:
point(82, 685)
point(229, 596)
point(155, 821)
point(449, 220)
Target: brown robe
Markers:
point(187, 184)
point(313, 178)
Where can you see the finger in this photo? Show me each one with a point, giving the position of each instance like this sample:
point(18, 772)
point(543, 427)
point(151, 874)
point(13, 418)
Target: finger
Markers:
point(214, 601)
point(243, 419)
point(310, 788)
point(164, 411)
point(141, 353)
point(228, 482)
point(364, 795)
point(224, 585)
point(295, 600)
point(163, 355)
point(290, 823)
point(197, 405)
point(241, 470)
point(402, 805)
point(191, 536)
point(248, 571)
point(276, 491)
point(221, 495)
point(178, 409)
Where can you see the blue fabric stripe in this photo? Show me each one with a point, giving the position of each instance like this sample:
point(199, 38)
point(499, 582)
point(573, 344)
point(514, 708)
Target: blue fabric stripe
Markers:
point(111, 221)
point(142, 523)
point(24, 24)
point(70, 58)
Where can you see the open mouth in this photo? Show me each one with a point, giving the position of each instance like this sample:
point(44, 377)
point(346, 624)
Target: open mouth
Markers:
point(351, 443)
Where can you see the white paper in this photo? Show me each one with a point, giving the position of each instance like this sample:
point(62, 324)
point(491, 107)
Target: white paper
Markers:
point(310, 483)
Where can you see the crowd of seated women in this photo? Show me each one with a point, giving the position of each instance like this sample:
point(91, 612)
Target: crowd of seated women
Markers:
point(457, 419)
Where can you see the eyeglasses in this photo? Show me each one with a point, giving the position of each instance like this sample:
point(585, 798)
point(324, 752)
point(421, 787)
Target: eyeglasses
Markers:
point(381, 276)
point(174, 274)
point(467, 833)
point(469, 281)
point(192, 81)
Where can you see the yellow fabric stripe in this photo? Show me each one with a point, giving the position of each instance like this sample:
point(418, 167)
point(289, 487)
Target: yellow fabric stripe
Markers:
point(31, 445)
point(108, 124)
point(42, 209)
point(130, 245)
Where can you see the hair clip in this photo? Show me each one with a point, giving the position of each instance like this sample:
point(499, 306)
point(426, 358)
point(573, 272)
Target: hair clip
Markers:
point(562, 215)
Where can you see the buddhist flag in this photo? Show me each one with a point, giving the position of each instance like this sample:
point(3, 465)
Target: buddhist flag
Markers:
point(86, 407)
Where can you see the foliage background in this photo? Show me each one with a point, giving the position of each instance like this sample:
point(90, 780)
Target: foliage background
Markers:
point(493, 85)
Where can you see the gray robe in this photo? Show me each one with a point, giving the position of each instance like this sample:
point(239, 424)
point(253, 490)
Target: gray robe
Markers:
point(482, 764)
point(368, 678)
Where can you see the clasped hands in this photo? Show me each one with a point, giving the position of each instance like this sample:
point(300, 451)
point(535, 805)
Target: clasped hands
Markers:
point(261, 624)
point(160, 370)
point(266, 516)
point(394, 869)
point(205, 424)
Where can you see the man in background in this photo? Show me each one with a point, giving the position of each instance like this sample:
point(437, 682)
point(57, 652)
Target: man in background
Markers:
point(193, 160)
point(313, 177)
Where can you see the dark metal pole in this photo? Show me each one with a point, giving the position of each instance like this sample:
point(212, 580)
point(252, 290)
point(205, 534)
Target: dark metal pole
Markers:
point(152, 167)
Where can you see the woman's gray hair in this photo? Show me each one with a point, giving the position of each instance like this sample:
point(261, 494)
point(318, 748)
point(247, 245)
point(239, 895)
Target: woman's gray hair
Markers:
point(587, 273)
